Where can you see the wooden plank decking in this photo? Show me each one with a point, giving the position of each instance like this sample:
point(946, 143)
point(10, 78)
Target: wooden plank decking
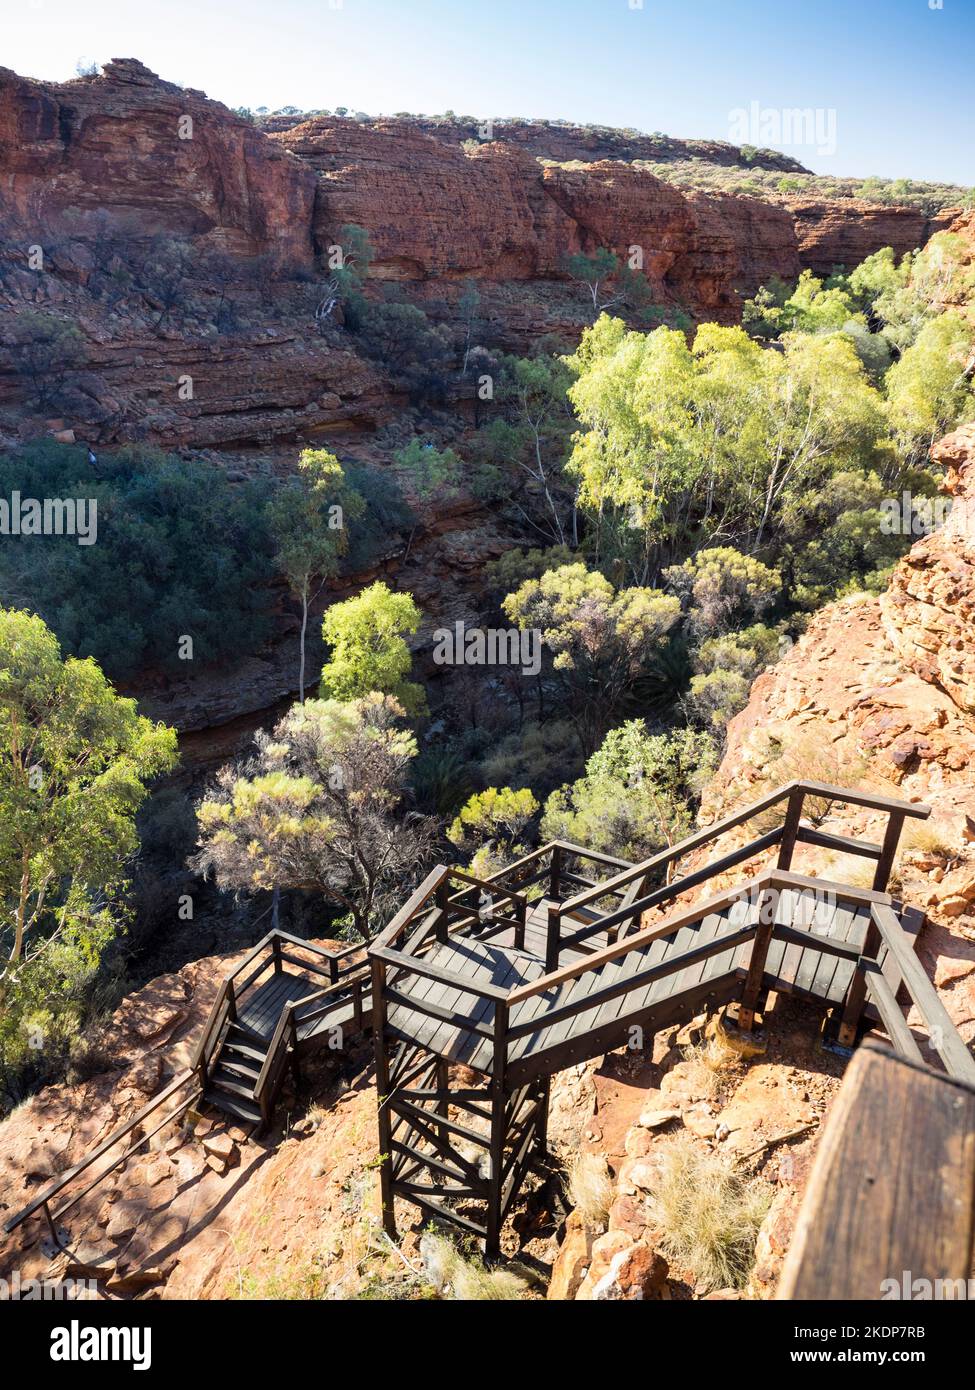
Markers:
point(796, 969)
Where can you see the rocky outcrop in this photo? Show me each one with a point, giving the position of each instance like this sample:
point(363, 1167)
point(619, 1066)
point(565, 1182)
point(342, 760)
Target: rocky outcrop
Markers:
point(929, 609)
point(117, 159)
point(845, 231)
point(151, 157)
point(436, 209)
point(559, 140)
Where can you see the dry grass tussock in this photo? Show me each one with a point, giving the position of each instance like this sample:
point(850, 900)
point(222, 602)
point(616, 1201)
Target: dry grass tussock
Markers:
point(709, 1213)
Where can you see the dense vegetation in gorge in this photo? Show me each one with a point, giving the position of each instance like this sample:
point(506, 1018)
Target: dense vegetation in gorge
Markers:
point(685, 500)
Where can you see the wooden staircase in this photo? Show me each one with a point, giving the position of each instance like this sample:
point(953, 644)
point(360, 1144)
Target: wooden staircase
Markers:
point(483, 989)
point(234, 1074)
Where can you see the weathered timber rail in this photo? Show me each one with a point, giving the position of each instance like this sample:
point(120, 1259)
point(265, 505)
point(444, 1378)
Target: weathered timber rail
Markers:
point(543, 965)
point(890, 1204)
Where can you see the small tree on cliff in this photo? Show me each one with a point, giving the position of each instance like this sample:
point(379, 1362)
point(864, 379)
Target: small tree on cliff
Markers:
point(609, 280)
point(308, 521)
point(46, 350)
point(369, 652)
point(317, 809)
point(348, 261)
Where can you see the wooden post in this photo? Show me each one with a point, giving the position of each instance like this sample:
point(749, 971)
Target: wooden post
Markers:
point(522, 919)
point(276, 952)
point(443, 1083)
point(383, 1112)
point(767, 907)
point(790, 827)
point(555, 873)
point(295, 1068)
point(857, 993)
point(888, 850)
point(541, 1123)
point(492, 1240)
point(231, 1003)
point(441, 897)
point(552, 938)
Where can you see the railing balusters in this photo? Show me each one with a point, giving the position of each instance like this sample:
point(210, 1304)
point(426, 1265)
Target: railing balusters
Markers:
point(790, 827)
point(888, 850)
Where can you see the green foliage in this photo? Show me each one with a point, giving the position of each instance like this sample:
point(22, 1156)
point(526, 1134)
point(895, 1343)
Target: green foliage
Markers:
point(415, 352)
point(637, 794)
point(927, 390)
point(366, 634)
point(441, 781)
point(725, 668)
point(432, 472)
point(493, 818)
point(385, 515)
point(812, 307)
point(722, 588)
point(610, 281)
point(308, 518)
point(349, 260)
point(527, 442)
point(180, 551)
point(74, 763)
point(317, 809)
point(510, 570)
point(537, 755)
point(598, 639)
point(679, 443)
point(835, 540)
point(46, 350)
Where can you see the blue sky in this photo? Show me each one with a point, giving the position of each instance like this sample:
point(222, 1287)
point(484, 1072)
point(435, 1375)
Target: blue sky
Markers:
point(897, 74)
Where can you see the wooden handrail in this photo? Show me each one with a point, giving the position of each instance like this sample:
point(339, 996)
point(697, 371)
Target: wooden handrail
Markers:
point(62, 1181)
point(945, 1038)
point(711, 832)
point(282, 1027)
point(486, 885)
point(846, 892)
point(685, 917)
point(410, 908)
point(223, 994)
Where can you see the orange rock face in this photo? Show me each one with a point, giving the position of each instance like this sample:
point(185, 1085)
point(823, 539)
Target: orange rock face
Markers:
point(846, 231)
point(929, 609)
point(153, 157)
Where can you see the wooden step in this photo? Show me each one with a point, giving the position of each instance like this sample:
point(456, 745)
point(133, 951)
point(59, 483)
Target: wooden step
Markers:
point(236, 1106)
point(243, 1067)
point(247, 1044)
point(227, 1081)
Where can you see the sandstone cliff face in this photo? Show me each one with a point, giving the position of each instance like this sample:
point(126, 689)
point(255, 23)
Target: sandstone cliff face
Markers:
point(435, 209)
point(112, 144)
point(105, 153)
point(845, 232)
